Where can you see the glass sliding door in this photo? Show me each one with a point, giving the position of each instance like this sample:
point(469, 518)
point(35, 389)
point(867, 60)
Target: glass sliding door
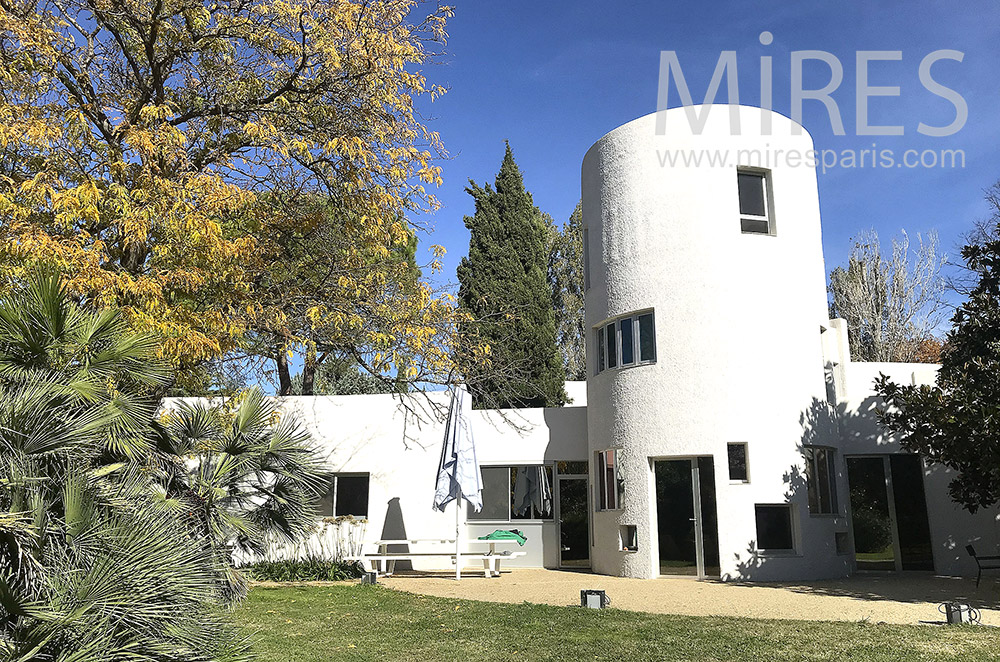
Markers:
point(675, 518)
point(889, 513)
point(874, 546)
point(574, 523)
point(687, 523)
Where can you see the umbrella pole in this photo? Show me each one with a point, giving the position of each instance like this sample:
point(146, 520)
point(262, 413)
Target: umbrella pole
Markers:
point(458, 539)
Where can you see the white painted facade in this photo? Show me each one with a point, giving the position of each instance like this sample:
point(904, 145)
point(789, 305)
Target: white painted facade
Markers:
point(745, 353)
point(738, 320)
point(398, 444)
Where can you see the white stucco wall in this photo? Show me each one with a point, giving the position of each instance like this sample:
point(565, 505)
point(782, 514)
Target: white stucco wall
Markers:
point(738, 317)
point(745, 353)
point(951, 527)
point(373, 434)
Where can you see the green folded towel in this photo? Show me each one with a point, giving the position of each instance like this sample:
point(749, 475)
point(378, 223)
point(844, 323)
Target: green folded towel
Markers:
point(500, 534)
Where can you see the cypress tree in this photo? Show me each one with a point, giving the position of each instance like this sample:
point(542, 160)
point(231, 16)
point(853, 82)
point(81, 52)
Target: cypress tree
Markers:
point(567, 283)
point(504, 286)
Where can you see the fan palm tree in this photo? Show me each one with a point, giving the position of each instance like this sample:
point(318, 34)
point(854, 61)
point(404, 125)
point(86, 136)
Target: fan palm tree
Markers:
point(91, 566)
point(241, 472)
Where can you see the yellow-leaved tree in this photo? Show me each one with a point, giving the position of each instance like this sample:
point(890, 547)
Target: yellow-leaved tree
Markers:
point(228, 170)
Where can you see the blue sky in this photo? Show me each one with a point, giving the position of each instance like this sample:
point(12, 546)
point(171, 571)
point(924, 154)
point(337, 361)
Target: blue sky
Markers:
point(553, 77)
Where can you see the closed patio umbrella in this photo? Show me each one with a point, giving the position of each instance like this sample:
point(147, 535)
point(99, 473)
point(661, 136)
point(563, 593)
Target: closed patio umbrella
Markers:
point(458, 475)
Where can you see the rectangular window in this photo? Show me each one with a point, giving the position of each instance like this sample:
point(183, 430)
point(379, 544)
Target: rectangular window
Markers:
point(626, 341)
point(754, 212)
point(522, 492)
point(600, 349)
point(348, 495)
point(625, 330)
point(607, 480)
point(738, 462)
point(572, 467)
point(821, 481)
point(647, 338)
point(586, 259)
point(531, 492)
point(774, 528)
point(612, 344)
point(628, 538)
point(496, 495)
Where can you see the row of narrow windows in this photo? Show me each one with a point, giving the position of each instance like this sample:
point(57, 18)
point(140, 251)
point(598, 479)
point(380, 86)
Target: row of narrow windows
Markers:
point(626, 340)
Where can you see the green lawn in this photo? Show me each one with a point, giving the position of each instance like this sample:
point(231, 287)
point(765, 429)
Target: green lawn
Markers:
point(353, 622)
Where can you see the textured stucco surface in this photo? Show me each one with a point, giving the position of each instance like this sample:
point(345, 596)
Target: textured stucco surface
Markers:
point(738, 318)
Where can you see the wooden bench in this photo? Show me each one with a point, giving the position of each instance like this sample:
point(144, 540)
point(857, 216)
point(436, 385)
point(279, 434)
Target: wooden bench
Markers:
point(491, 558)
point(991, 562)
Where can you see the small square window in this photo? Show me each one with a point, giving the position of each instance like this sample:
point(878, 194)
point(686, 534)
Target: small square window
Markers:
point(738, 462)
point(774, 528)
point(348, 495)
point(628, 538)
point(755, 214)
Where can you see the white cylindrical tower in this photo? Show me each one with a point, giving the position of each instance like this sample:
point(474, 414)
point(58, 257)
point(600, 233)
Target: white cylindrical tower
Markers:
point(706, 302)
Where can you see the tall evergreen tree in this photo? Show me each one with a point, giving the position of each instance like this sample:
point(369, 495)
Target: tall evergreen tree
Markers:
point(566, 281)
point(505, 289)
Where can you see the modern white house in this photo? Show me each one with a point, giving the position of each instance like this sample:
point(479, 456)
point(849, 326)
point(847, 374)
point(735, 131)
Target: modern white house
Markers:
point(723, 430)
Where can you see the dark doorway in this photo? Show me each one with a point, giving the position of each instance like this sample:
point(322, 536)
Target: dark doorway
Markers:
point(889, 513)
point(574, 526)
point(687, 522)
point(913, 529)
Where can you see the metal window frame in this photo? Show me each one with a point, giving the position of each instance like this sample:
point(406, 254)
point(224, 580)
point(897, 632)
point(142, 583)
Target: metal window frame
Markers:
point(746, 462)
point(601, 350)
point(890, 495)
point(336, 490)
point(601, 485)
point(829, 452)
point(618, 344)
point(614, 324)
point(768, 217)
point(612, 342)
point(510, 495)
point(792, 529)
